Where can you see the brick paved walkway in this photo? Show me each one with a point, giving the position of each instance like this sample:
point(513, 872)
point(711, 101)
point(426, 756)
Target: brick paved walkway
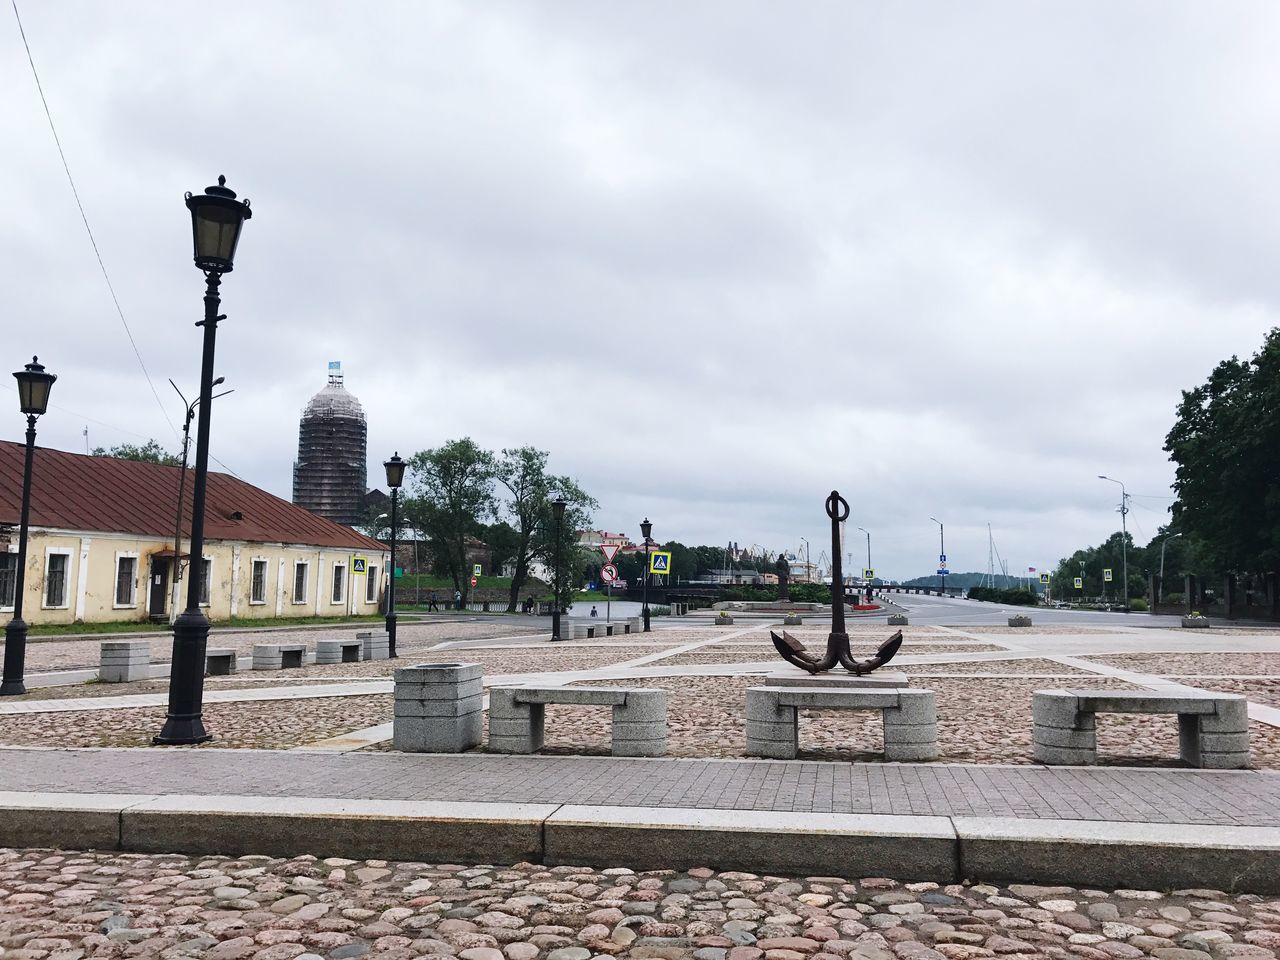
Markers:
point(1232, 798)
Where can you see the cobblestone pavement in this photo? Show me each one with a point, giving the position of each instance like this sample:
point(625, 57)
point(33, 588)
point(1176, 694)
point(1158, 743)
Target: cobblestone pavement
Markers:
point(1144, 795)
point(59, 905)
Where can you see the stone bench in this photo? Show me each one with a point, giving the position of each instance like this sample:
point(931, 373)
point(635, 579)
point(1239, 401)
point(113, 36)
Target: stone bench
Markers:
point(121, 661)
point(279, 656)
point(1213, 729)
point(910, 718)
point(219, 661)
point(339, 651)
point(517, 717)
point(897, 620)
point(375, 644)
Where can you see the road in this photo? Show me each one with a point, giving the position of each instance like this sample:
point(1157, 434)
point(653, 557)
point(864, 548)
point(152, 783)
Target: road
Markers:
point(951, 611)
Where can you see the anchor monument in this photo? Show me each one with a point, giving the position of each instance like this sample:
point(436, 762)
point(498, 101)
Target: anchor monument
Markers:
point(793, 651)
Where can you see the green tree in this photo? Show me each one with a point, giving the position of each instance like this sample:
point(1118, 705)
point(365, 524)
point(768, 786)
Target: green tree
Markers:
point(577, 516)
point(1228, 462)
point(149, 452)
point(452, 489)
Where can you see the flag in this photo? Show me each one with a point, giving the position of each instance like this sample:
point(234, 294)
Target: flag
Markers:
point(335, 364)
point(1031, 569)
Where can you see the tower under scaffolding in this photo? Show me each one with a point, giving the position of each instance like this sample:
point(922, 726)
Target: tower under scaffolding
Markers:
point(329, 475)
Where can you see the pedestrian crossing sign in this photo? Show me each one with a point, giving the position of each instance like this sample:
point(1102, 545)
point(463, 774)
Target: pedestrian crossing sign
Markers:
point(359, 564)
point(659, 563)
point(868, 573)
point(1079, 583)
point(1106, 574)
point(1044, 578)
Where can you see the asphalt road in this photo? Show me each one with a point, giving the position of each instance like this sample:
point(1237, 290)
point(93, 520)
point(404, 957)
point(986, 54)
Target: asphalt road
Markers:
point(950, 611)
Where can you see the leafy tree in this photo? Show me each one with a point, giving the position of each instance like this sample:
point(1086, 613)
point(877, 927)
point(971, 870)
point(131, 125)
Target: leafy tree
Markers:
point(452, 495)
point(149, 452)
point(577, 516)
point(1228, 462)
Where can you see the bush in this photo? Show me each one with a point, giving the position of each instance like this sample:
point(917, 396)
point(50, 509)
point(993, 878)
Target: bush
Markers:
point(1014, 598)
point(1174, 598)
point(1138, 604)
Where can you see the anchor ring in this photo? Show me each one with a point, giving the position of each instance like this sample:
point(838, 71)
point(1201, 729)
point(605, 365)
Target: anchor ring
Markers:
point(836, 503)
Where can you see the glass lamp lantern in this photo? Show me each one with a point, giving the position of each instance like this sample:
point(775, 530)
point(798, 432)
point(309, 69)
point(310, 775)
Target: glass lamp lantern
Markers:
point(216, 219)
point(395, 471)
point(34, 385)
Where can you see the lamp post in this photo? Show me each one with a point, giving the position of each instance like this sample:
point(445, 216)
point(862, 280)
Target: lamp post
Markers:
point(808, 578)
point(868, 533)
point(1124, 538)
point(1172, 536)
point(395, 477)
point(942, 552)
point(33, 399)
point(182, 484)
point(646, 528)
point(216, 219)
point(557, 512)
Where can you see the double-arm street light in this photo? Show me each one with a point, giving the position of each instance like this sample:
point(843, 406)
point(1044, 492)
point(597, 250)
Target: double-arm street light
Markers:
point(942, 553)
point(395, 477)
point(646, 528)
point(216, 219)
point(557, 514)
point(34, 383)
point(1124, 538)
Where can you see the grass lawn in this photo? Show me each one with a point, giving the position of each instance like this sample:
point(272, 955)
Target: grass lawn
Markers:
point(134, 626)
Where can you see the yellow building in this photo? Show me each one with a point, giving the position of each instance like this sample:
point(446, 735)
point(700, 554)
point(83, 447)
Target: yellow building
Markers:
point(101, 546)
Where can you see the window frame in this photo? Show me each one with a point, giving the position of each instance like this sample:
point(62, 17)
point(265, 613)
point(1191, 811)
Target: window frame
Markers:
point(206, 582)
point(371, 582)
point(132, 603)
point(306, 581)
point(11, 551)
point(339, 579)
point(66, 579)
point(253, 582)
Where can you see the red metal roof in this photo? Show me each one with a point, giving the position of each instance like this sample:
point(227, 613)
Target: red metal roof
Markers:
point(72, 491)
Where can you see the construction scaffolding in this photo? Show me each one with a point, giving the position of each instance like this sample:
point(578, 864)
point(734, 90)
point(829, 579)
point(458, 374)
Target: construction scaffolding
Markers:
point(329, 476)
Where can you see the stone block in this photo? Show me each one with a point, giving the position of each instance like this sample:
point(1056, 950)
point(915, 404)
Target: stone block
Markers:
point(636, 624)
point(828, 698)
point(439, 691)
point(375, 645)
point(724, 620)
point(772, 749)
point(780, 730)
point(1195, 623)
point(1069, 739)
point(578, 696)
point(437, 673)
point(910, 752)
point(220, 661)
point(579, 631)
point(792, 620)
point(910, 733)
point(452, 735)
point(1063, 756)
point(1058, 708)
point(1231, 714)
point(338, 651)
point(1020, 621)
point(642, 706)
point(438, 708)
point(897, 620)
point(914, 706)
point(122, 661)
point(1099, 701)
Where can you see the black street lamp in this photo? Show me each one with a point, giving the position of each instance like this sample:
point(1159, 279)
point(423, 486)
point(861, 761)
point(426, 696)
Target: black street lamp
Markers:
point(557, 512)
point(33, 399)
point(395, 477)
point(942, 552)
point(646, 528)
point(216, 219)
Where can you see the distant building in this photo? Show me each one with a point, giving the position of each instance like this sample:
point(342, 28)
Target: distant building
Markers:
point(330, 473)
point(102, 537)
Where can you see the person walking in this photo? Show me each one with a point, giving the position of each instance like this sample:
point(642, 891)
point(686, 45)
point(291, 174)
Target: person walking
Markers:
point(433, 605)
point(457, 599)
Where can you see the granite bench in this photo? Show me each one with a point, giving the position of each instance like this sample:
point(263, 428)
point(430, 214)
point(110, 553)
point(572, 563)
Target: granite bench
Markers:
point(376, 644)
point(120, 661)
point(910, 718)
point(348, 650)
point(438, 708)
point(279, 656)
point(1213, 728)
point(219, 661)
point(517, 717)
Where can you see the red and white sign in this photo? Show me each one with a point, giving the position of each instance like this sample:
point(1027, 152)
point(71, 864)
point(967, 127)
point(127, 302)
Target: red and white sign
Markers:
point(608, 573)
point(610, 550)
point(473, 581)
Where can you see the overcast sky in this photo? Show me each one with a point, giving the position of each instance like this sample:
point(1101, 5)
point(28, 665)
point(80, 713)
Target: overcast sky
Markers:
point(955, 260)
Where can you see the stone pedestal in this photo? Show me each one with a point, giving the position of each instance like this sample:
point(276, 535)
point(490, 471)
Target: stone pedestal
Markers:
point(898, 620)
point(1195, 623)
point(121, 661)
point(878, 680)
point(724, 620)
point(375, 645)
point(1020, 621)
point(279, 656)
point(792, 620)
point(438, 708)
point(339, 651)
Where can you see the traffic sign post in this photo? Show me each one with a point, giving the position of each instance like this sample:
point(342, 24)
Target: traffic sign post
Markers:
point(868, 573)
point(660, 562)
point(608, 573)
point(476, 570)
point(610, 550)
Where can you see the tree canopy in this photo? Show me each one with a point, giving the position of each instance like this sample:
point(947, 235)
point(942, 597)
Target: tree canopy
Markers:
point(149, 452)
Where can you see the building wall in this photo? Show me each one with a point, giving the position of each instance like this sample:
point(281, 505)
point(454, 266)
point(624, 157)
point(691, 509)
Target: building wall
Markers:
point(90, 582)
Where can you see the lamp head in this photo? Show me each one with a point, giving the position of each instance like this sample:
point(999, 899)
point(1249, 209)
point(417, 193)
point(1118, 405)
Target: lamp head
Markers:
point(34, 384)
point(216, 219)
point(395, 471)
point(557, 509)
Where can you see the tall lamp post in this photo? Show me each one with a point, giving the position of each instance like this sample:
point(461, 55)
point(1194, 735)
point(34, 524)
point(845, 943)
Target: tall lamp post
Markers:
point(216, 219)
point(942, 552)
point(646, 528)
point(557, 513)
point(868, 533)
point(1124, 538)
point(1172, 536)
point(33, 399)
point(395, 477)
point(808, 569)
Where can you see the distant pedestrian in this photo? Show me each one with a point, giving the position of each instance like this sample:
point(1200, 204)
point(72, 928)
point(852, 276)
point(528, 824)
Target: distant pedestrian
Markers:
point(457, 599)
point(593, 612)
point(433, 605)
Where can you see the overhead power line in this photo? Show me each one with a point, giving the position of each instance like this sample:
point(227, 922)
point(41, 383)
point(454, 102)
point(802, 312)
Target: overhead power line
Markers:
point(89, 230)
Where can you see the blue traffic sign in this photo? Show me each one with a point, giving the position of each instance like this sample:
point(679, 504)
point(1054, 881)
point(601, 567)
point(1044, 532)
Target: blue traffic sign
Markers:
point(943, 571)
point(942, 559)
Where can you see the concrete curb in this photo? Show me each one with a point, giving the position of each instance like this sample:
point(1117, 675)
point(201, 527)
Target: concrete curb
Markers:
point(942, 849)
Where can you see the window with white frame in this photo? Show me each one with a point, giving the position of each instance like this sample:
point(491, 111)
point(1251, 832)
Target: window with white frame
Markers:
point(56, 568)
point(8, 578)
point(258, 582)
point(206, 580)
point(126, 581)
point(300, 568)
point(371, 585)
point(339, 583)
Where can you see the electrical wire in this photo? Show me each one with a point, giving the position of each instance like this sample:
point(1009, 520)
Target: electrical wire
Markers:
point(76, 193)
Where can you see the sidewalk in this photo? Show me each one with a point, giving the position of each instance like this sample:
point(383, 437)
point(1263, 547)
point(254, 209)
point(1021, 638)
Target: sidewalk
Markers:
point(1108, 826)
